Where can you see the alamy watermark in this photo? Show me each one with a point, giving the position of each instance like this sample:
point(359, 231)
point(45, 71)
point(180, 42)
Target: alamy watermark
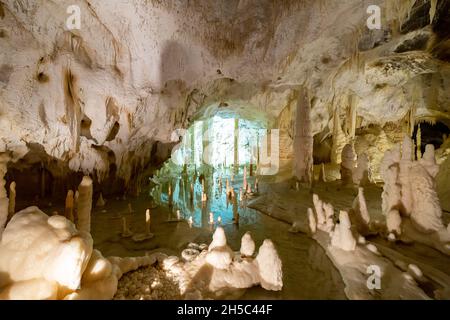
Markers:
point(74, 20)
point(374, 280)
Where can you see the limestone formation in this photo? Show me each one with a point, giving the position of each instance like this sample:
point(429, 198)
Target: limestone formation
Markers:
point(69, 206)
point(247, 245)
point(84, 204)
point(347, 164)
point(270, 266)
point(361, 172)
point(342, 237)
point(12, 200)
point(100, 201)
point(360, 213)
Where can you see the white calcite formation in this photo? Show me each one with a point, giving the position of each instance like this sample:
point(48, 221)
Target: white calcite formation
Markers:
point(347, 164)
point(62, 265)
point(389, 170)
point(342, 236)
point(69, 206)
point(84, 205)
point(312, 221)
point(410, 191)
point(12, 199)
point(59, 259)
point(361, 171)
point(360, 214)
point(404, 178)
point(247, 245)
point(218, 267)
point(270, 266)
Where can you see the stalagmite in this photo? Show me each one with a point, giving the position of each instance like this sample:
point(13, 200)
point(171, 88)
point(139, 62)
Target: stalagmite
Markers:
point(249, 189)
point(311, 221)
point(361, 172)
point(256, 185)
point(360, 213)
point(247, 245)
point(241, 194)
point(69, 206)
point(100, 201)
point(170, 196)
point(322, 173)
point(190, 221)
point(303, 139)
point(178, 215)
point(426, 210)
point(219, 219)
point(428, 161)
point(347, 165)
point(147, 234)
point(404, 176)
point(147, 221)
point(84, 204)
point(342, 235)
point(270, 266)
point(12, 200)
point(389, 171)
point(126, 232)
point(211, 218)
point(329, 217)
point(393, 222)
point(318, 206)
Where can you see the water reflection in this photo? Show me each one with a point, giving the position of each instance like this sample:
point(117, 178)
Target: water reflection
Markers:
point(184, 193)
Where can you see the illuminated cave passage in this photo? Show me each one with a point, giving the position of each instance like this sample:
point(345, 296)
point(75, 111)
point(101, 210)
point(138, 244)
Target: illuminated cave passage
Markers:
point(212, 149)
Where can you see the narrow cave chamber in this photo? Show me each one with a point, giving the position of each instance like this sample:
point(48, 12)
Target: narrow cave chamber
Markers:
point(435, 133)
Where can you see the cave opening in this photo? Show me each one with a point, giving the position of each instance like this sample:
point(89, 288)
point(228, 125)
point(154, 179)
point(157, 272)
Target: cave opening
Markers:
point(434, 133)
point(213, 152)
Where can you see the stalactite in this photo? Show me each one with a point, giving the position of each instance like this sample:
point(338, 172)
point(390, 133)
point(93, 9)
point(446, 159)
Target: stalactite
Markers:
point(303, 140)
point(84, 204)
point(419, 143)
point(352, 116)
point(68, 212)
point(338, 139)
point(433, 6)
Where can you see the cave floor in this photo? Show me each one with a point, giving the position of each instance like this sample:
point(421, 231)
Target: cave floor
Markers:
point(308, 273)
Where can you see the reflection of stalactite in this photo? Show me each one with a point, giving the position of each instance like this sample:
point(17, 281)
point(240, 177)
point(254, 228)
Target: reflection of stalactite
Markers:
point(236, 145)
